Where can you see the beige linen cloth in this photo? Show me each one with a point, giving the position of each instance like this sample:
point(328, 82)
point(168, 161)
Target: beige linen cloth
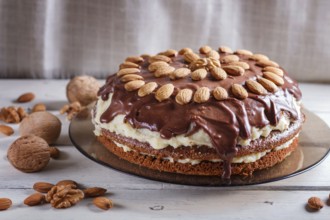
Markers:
point(59, 39)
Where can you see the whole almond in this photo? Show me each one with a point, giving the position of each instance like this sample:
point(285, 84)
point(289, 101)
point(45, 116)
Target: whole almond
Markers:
point(244, 65)
point(214, 54)
point(127, 71)
point(273, 70)
point(40, 107)
point(5, 203)
point(205, 49)
point(234, 70)
point(42, 187)
point(72, 183)
point(164, 92)
point(26, 97)
point(225, 49)
point(315, 203)
point(54, 152)
point(190, 57)
point(258, 57)
point(185, 50)
point(202, 94)
point(218, 73)
point(159, 58)
point(180, 73)
point(211, 62)
point(147, 89)
point(199, 74)
point(255, 87)
point(103, 203)
point(220, 93)
point(35, 199)
point(156, 65)
point(274, 78)
point(184, 96)
point(6, 130)
point(239, 91)
point(229, 59)
point(134, 85)
point(94, 192)
point(267, 84)
point(127, 64)
point(169, 53)
point(264, 63)
point(244, 52)
point(134, 59)
point(131, 77)
point(199, 63)
point(164, 71)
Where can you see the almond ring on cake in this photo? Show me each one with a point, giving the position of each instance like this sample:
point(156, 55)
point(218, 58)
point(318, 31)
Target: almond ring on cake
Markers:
point(215, 112)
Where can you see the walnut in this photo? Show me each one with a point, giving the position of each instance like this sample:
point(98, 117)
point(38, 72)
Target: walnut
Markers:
point(29, 154)
point(12, 114)
point(64, 196)
point(82, 89)
point(42, 124)
point(315, 203)
point(72, 110)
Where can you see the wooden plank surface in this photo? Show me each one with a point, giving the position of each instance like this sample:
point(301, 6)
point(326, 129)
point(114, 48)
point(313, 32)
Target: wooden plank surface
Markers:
point(140, 198)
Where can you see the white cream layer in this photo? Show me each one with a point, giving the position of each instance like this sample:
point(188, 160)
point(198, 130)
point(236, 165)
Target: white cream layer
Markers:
point(250, 158)
point(118, 126)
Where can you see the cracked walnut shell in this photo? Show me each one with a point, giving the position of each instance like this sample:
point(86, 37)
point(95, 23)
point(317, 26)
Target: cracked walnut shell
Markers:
point(29, 153)
point(64, 196)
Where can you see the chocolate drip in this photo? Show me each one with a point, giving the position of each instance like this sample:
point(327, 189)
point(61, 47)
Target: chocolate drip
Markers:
point(224, 121)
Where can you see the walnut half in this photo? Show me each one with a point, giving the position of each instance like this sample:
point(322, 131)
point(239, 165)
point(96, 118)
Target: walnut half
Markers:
point(64, 196)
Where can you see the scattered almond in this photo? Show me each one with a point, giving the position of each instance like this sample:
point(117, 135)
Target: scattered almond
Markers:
point(258, 57)
point(103, 203)
point(274, 78)
point(180, 73)
point(199, 74)
point(229, 59)
point(190, 57)
point(42, 187)
point(218, 73)
point(134, 85)
point(147, 89)
point(40, 107)
point(185, 50)
point(256, 87)
point(164, 92)
point(225, 49)
point(205, 49)
point(244, 65)
point(202, 94)
point(26, 97)
point(315, 203)
point(134, 59)
point(264, 63)
point(6, 130)
point(54, 152)
point(273, 70)
point(72, 183)
point(35, 199)
point(127, 71)
point(239, 91)
point(267, 84)
point(131, 77)
point(5, 203)
point(94, 192)
point(127, 64)
point(164, 71)
point(184, 96)
point(159, 58)
point(234, 70)
point(156, 65)
point(220, 93)
point(244, 52)
point(214, 54)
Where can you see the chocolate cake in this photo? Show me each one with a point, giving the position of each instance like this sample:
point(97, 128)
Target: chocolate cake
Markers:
point(216, 112)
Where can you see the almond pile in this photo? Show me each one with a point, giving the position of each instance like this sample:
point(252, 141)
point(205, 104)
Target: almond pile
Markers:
point(209, 64)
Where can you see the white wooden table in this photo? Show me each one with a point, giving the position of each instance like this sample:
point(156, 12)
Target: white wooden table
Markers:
point(138, 198)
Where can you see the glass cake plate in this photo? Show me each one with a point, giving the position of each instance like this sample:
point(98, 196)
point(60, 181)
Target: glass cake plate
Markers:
point(314, 146)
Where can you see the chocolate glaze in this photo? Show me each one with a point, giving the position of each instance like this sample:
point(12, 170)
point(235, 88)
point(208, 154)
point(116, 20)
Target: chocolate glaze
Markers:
point(223, 120)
